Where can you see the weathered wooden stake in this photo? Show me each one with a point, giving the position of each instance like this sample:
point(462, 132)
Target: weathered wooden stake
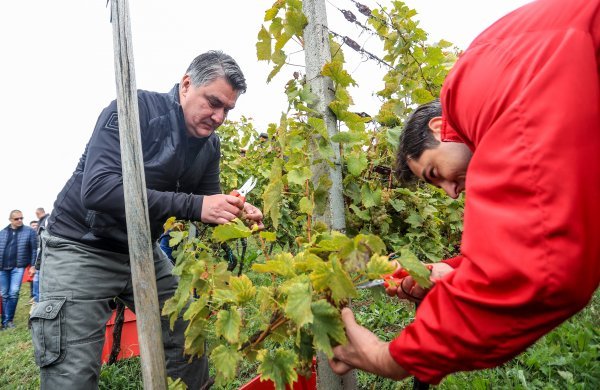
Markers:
point(136, 204)
point(317, 53)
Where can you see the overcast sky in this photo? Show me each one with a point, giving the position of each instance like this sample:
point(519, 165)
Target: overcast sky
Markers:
point(57, 71)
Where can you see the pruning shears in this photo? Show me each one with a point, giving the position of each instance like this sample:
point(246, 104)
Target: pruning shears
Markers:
point(245, 189)
point(393, 278)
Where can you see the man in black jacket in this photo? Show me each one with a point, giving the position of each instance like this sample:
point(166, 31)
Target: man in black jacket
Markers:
point(85, 255)
point(18, 244)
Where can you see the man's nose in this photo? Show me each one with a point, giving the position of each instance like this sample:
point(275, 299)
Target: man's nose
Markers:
point(451, 189)
point(218, 116)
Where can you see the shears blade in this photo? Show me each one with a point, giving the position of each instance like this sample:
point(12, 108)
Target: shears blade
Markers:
point(371, 284)
point(248, 186)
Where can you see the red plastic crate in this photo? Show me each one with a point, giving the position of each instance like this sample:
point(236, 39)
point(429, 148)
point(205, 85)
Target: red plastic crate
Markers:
point(129, 340)
point(302, 383)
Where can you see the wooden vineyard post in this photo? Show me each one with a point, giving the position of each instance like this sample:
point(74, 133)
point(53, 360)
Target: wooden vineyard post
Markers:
point(136, 204)
point(317, 54)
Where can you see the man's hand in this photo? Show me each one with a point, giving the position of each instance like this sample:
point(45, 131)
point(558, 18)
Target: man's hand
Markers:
point(253, 214)
point(220, 208)
point(31, 271)
point(364, 351)
point(409, 289)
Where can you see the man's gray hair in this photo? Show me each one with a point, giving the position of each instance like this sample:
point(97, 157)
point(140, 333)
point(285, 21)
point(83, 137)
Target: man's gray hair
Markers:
point(209, 66)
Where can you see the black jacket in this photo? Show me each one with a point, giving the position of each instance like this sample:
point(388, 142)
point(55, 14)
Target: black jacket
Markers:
point(91, 209)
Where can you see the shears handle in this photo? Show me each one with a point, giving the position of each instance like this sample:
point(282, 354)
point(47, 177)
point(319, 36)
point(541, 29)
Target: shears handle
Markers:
point(396, 277)
point(238, 195)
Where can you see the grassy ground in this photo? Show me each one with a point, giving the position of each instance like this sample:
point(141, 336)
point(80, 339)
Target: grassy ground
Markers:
point(568, 358)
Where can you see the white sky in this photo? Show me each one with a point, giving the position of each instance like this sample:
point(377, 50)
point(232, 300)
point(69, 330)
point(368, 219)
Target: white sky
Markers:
point(57, 71)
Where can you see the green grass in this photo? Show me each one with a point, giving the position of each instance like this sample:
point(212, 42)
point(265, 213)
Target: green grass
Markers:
point(567, 358)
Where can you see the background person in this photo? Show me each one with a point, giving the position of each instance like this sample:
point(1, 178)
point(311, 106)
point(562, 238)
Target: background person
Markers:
point(85, 262)
point(519, 131)
point(18, 244)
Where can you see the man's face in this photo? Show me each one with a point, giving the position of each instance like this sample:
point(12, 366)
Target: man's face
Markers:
point(444, 166)
point(206, 107)
point(16, 220)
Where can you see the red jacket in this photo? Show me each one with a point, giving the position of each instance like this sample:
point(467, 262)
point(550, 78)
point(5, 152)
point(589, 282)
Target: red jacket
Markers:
point(525, 97)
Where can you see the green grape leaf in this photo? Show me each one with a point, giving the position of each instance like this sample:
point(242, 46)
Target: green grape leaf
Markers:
point(414, 219)
point(327, 327)
point(226, 359)
point(296, 21)
point(356, 162)
point(379, 266)
point(362, 214)
point(330, 275)
point(299, 176)
point(306, 206)
point(409, 261)
point(299, 297)
point(195, 336)
point(392, 136)
point(175, 384)
point(263, 46)
point(231, 231)
point(278, 366)
point(228, 325)
point(224, 296)
point(243, 288)
point(268, 236)
point(321, 194)
point(373, 242)
point(335, 70)
point(176, 238)
point(274, 193)
point(370, 198)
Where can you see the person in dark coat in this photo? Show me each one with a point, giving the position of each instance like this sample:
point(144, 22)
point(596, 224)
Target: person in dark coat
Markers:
point(18, 246)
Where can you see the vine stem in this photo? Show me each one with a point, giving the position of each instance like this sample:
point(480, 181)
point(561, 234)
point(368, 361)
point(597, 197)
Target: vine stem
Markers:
point(308, 216)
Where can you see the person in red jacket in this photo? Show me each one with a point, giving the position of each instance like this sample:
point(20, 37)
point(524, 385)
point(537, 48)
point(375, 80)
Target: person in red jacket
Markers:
point(518, 130)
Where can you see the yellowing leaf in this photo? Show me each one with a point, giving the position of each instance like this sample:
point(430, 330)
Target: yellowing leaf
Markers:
point(226, 360)
point(228, 325)
point(327, 327)
point(330, 275)
point(242, 287)
point(279, 265)
point(231, 231)
point(268, 236)
point(263, 46)
point(278, 366)
point(168, 225)
point(379, 266)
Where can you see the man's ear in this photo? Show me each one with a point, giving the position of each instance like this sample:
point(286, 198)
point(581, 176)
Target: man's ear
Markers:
point(185, 84)
point(435, 125)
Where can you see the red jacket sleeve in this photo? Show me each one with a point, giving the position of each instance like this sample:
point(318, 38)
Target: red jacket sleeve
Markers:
point(530, 245)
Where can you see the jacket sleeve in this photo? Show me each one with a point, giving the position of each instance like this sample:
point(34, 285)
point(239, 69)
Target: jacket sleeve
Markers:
point(102, 187)
point(211, 179)
point(33, 244)
point(530, 242)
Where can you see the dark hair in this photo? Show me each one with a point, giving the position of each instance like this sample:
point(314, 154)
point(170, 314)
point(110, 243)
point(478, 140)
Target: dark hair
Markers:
point(209, 66)
point(416, 138)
